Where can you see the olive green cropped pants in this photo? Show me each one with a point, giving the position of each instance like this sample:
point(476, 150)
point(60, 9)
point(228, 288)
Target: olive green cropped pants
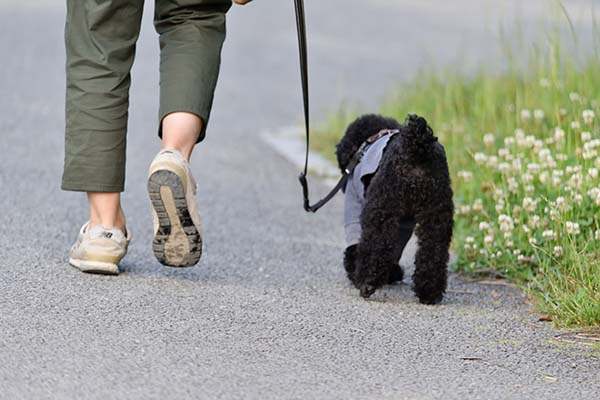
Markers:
point(100, 38)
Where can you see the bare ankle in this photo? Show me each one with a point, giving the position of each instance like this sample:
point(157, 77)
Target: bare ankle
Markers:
point(105, 210)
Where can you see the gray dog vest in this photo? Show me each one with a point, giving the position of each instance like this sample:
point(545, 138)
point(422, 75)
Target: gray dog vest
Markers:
point(354, 199)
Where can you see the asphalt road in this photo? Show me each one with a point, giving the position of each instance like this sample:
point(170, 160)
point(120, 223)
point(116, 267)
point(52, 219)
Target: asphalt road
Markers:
point(268, 314)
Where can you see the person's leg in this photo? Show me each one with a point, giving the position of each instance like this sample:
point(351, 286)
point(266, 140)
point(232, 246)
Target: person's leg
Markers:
point(181, 131)
point(191, 38)
point(105, 210)
point(192, 33)
point(100, 39)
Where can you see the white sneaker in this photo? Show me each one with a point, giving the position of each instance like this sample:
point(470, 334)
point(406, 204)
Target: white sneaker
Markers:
point(177, 229)
point(98, 250)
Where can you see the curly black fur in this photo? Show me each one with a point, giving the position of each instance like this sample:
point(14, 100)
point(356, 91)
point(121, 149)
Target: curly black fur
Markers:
point(410, 190)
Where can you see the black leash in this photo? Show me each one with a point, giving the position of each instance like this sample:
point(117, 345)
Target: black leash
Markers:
point(301, 25)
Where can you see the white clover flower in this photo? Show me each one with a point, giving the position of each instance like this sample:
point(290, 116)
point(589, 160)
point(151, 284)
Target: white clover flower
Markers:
point(478, 205)
point(503, 152)
point(509, 243)
point(543, 177)
point(561, 203)
point(516, 252)
point(549, 234)
point(534, 221)
point(545, 83)
point(467, 246)
point(538, 145)
point(533, 168)
point(551, 164)
point(586, 136)
point(465, 209)
point(591, 144)
point(484, 226)
point(465, 175)
point(517, 165)
point(492, 161)
point(597, 234)
point(559, 134)
point(576, 180)
point(578, 199)
point(527, 177)
point(498, 193)
point(504, 167)
point(562, 157)
point(526, 142)
point(545, 154)
point(593, 173)
point(498, 253)
point(470, 239)
point(513, 185)
point(589, 154)
point(506, 223)
point(532, 241)
point(529, 204)
point(489, 139)
point(588, 116)
point(572, 169)
point(519, 134)
point(526, 229)
point(529, 189)
point(538, 115)
point(556, 181)
point(488, 240)
point(509, 141)
point(572, 228)
point(499, 206)
point(574, 96)
point(480, 158)
point(575, 125)
point(549, 140)
point(525, 115)
point(562, 112)
point(558, 251)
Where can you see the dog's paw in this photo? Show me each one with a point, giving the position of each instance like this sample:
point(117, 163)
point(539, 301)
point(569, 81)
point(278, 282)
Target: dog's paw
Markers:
point(367, 290)
point(431, 300)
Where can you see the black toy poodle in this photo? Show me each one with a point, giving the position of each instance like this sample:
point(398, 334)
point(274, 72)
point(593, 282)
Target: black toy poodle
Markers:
point(401, 184)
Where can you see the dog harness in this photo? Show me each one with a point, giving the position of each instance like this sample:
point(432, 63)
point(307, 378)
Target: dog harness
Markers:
point(348, 170)
point(354, 194)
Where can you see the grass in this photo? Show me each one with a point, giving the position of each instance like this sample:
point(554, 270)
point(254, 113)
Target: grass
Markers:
point(524, 150)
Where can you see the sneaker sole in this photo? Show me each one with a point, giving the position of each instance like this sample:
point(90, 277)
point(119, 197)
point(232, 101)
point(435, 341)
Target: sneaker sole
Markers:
point(178, 242)
point(94, 267)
